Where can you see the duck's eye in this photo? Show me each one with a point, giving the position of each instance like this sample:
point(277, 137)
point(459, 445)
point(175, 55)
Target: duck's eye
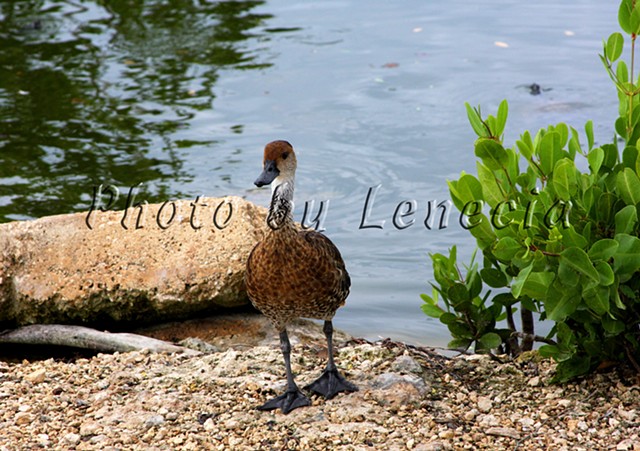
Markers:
point(285, 155)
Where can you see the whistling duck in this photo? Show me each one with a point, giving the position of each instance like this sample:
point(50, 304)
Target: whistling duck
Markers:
point(292, 274)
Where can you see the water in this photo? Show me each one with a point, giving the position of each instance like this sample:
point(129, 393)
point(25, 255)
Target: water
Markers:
point(181, 97)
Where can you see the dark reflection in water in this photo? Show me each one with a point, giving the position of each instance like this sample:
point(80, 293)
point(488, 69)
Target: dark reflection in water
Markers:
point(95, 92)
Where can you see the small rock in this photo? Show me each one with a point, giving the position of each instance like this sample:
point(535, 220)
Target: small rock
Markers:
point(154, 420)
point(503, 432)
point(435, 445)
point(22, 418)
point(447, 434)
point(406, 364)
point(534, 381)
point(37, 376)
point(628, 415)
point(231, 424)
point(488, 420)
point(98, 438)
point(89, 428)
point(527, 422)
point(209, 425)
point(71, 438)
point(484, 404)
point(386, 381)
point(44, 441)
point(471, 414)
point(625, 445)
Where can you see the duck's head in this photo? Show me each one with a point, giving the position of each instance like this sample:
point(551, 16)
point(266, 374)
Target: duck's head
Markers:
point(279, 164)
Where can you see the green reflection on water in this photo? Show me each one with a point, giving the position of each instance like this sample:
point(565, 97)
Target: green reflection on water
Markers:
point(95, 92)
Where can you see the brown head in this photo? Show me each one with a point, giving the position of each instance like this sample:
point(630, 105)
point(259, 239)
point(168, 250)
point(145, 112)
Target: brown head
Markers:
point(279, 162)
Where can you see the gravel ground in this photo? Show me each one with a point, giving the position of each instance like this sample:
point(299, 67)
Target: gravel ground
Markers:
point(409, 398)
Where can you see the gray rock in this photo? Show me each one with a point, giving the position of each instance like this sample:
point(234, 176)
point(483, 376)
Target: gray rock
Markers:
point(154, 420)
point(386, 381)
point(406, 364)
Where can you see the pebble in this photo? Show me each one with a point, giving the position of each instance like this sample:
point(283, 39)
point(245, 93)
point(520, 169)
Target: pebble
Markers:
point(37, 376)
point(484, 404)
point(154, 420)
point(503, 432)
point(71, 438)
point(406, 364)
point(22, 418)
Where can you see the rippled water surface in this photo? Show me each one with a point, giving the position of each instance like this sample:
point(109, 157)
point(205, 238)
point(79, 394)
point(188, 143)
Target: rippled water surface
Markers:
point(181, 96)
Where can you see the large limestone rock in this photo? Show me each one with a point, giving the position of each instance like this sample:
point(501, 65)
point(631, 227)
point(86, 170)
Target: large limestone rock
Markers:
point(157, 262)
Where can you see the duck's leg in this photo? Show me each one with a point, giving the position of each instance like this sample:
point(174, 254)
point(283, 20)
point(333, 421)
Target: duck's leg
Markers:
point(293, 397)
point(331, 382)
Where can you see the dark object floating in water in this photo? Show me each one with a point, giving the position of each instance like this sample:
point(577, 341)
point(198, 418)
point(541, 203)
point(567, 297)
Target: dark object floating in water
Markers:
point(534, 89)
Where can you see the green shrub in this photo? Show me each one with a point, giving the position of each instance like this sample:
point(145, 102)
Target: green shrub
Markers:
point(556, 240)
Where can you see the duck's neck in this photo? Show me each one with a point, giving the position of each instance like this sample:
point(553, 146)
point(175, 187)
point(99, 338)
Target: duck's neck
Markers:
point(281, 208)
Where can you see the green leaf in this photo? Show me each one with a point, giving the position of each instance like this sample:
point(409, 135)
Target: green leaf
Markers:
point(574, 144)
point(493, 277)
point(549, 351)
point(624, 15)
point(571, 238)
point(550, 151)
point(603, 249)
point(578, 260)
point(597, 299)
point(432, 310)
point(626, 219)
point(595, 158)
point(460, 344)
point(503, 111)
point(630, 156)
point(525, 145)
point(606, 274)
point(448, 318)
point(559, 307)
point(506, 248)
point(605, 205)
point(428, 299)
point(634, 20)
point(490, 340)
point(483, 233)
point(476, 121)
point(588, 129)
point(612, 326)
point(626, 260)
point(610, 155)
point(564, 179)
point(492, 154)
point(520, 280)
point(537, 285)
point(628, 185)
point(458, 293)
point(460, 329)
point(492, 192)
point(469, 189)
point(614, 46)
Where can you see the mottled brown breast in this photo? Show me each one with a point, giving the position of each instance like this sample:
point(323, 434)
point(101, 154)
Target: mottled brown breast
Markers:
point(293, 274)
